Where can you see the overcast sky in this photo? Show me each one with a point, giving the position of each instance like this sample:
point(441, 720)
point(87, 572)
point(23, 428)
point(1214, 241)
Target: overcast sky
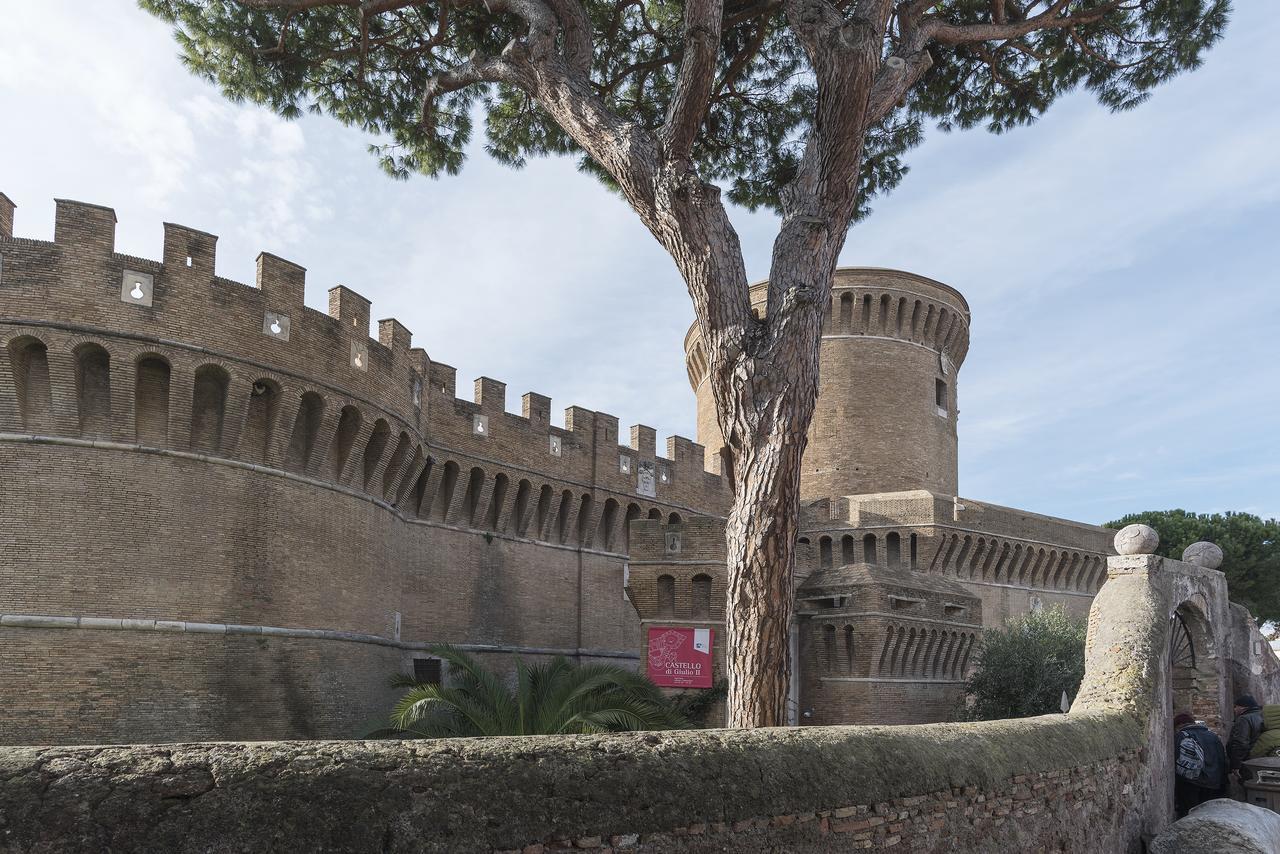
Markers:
point(1121, 268)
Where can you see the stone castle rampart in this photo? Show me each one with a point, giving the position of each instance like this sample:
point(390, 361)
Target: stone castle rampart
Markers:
point(222, 333)
point(227, 509)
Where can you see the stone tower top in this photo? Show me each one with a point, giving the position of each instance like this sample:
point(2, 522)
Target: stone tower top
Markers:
point(892, 346)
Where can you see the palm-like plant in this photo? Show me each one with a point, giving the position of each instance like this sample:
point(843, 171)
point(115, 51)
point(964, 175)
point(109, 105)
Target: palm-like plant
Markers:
point(557, 697)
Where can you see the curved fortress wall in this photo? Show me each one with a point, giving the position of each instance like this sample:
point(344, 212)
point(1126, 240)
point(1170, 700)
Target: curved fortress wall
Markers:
point(226, 515)
point(885, 420)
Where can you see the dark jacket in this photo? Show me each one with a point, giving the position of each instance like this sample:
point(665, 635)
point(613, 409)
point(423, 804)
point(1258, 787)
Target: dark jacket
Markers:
point(1244, 732)
point(1213, 772)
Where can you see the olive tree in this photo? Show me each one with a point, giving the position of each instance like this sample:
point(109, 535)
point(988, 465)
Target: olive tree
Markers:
point(805, 107)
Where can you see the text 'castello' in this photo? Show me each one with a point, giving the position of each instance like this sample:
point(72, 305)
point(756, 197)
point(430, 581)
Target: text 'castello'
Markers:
point(229, 516)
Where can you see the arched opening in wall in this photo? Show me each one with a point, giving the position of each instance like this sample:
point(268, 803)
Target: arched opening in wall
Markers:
point(605, 534)
point(883, 663)
point(701, 596)
point(151, 401)
point(562, 516)
point(975, 560)
point(29, 361)
point(824, 552)
point(926, 333)
point(209, 408)
point(666, 596)
point(865, 326)
point(804, 558)
point(306, 429)
point(93, 390)
point(915, 552)
point(444, 497)
point(940, 329)
point(633, 513)
point(962, 671)
point(915, 321)
point(829, 648)
point(496, 503)
point(655, 513)
point(869, 549)
point(260, 422)
point(585, 506)
point(343, 439)
point(471, 497)
point(846, 312)
point(848, 650)
point(421, 507)
point(407, 488)
point(546, 496)
point(392, 471)
point(373, 450)
point(674, 519)
point(902, 313)
point(1193, 680)
point(847, 555)
point(893, 549)
point(524, 492)
point(884, 314)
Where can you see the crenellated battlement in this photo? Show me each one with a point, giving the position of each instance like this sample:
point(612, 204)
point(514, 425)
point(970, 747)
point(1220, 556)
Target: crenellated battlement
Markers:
point(872, 302)
point(248, 371)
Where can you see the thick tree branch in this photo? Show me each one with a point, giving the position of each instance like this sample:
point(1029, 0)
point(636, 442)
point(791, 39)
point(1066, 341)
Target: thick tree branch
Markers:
point(576, 29)
point(1052, 18)
point(895, 79)
point(695, 79)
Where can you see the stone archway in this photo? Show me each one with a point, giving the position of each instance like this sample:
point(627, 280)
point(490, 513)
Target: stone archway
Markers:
point(1194, 681)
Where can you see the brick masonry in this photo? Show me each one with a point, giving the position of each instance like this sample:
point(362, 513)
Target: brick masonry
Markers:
point(180, 447)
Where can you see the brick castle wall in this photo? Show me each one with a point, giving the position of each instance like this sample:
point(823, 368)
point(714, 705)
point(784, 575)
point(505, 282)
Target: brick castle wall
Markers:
point(232, 457)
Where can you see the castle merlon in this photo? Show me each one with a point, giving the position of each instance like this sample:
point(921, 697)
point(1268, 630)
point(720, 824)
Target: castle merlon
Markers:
point(78, 282)
point(6, 216)
point(84, 234)
point(485, 417)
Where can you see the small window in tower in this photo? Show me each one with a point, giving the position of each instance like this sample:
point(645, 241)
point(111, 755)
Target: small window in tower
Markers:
point(940, 396)
point(426, 671)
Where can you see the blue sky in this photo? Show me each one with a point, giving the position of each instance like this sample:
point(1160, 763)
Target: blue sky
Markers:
point(1121, 268)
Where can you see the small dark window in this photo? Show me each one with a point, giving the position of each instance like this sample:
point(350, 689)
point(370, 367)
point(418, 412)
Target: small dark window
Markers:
point(426, 671)
point(940, 393)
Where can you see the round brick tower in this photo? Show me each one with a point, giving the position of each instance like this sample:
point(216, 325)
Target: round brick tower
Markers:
point(886, 414)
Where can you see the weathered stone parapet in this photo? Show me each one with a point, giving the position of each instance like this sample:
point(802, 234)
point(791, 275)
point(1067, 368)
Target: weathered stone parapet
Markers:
point(1045, 780)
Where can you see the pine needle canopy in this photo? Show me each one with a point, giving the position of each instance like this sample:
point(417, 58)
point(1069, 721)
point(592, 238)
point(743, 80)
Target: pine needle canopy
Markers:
point(416, 75)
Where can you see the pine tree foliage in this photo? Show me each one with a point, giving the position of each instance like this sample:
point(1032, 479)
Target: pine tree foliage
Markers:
point(1024, 667)
point(379, 66)
point(1250, 550)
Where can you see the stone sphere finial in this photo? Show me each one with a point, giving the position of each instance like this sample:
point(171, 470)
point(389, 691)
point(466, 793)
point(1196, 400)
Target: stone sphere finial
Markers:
point(1137, 540)
point(1203, 554)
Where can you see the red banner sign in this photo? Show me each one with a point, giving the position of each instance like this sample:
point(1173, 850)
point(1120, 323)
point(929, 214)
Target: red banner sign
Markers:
point(680, 658)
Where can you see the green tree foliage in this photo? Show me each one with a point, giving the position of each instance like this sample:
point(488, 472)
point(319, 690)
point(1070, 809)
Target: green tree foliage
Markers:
point(555, 698)
point(415, 75)
point(1024, 667)
point(1250, 550)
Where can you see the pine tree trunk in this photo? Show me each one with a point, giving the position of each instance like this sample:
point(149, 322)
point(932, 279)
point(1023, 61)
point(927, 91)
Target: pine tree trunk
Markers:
point(773, 392)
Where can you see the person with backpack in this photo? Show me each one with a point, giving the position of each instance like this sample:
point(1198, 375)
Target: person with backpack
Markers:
point(1244, 732)
point(1200, 764)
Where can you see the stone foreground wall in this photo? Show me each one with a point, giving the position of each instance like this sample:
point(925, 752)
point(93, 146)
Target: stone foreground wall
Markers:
point(1050, 783)
point(1096, 780)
